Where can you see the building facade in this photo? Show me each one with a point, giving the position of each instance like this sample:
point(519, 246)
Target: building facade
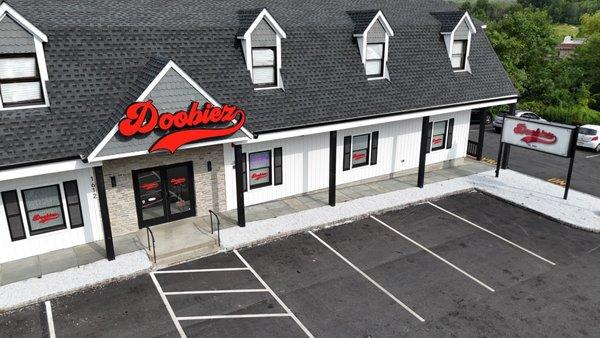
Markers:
point(359, 94)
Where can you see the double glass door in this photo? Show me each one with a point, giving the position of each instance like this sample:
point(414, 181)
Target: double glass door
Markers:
point(164, 194)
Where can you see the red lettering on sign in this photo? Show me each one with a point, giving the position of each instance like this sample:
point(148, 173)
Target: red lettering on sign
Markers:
point(534, 136)
point(149, 186)
point(437, 141)
point(178, 181)
point(142, 118)
point(358, 156)
point(258, 176)
point(45, 217)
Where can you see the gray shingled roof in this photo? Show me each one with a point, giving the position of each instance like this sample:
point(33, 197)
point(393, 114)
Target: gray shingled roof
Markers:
point(362, 19)
point(449, 20)
point(97, 50)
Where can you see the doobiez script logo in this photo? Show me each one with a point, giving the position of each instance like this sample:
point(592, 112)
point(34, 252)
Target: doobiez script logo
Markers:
point(182, 127)
point(534, 136)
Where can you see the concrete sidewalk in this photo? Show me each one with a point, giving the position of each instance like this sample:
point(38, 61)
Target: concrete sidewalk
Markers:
point(580, 211)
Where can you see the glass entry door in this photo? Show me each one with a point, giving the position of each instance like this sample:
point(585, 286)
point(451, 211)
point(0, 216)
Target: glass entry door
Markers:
point(164, 194)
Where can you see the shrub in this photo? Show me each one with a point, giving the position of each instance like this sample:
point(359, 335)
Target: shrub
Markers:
point(574, 115)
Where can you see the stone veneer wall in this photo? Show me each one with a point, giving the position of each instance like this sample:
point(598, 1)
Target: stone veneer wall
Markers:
point(209, 186)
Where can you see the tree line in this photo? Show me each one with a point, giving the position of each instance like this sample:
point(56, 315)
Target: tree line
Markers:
point(563, 90)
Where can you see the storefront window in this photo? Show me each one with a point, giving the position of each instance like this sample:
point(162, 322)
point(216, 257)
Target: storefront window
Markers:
point(43, 209)
point(438, 139)
point(260, 169)
point(360, 150)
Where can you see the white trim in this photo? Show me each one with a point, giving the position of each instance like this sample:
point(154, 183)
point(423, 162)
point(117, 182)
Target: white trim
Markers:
point(266, 88)
point(43, 169)
point(93, 157)
point(5, 8)
point(386, 25)
point(493, 234)
point(381, 288)
point(264, 14)
point(422, 247)
point(41, 63)
point(379, 120)
point(376, 78)
point(40, 105)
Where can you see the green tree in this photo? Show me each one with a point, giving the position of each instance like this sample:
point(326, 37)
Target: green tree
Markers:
point(590, 24)
point(587, 58)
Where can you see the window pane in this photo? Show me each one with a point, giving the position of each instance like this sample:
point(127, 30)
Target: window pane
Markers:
point(15, 224)
point(439, 135)
point(359, 157)
point(457, 61)
point(71, 192)
point(20, 67)
point(264, 75)
point(179, 189)
point(374, 51)
point(260, 176)
point(373, 67)
point(45, 218)
point(11, 202)
point(23, 91)
point(263, 57)
point(260, 160)
point(439, 128)
point(360, 142)
point(151, 194)
point(458, 47)
point(42, 197)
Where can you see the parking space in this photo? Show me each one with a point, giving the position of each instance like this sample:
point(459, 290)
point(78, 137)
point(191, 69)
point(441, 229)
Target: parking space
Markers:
point(465, 265)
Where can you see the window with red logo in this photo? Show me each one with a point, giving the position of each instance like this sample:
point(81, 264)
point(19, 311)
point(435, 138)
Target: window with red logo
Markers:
point(360, 150)
point(43, 208)
point(259, 169)
point(438, 138)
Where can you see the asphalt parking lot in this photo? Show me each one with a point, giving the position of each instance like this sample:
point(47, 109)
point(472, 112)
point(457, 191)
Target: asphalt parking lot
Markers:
point(466, 265)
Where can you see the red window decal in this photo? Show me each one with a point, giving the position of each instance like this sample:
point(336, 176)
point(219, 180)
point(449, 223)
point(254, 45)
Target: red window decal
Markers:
point(149, 186)
point(45, 217)
point(178, 181)
point(358, 156)
point(183, 127)
point(534, 136)
point(258, 176)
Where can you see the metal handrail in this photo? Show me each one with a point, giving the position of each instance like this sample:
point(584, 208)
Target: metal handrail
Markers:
point(148, 234)
point(211, 213)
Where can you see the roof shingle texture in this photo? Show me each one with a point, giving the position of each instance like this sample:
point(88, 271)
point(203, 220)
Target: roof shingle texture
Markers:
point(98, 50)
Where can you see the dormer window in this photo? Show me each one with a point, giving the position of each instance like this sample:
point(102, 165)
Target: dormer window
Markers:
point(375, 61)
point(459, 54)
point(457, 30)
point(20, 82)
point(23, 73)
point(264, 67)
point(372, 32)
point(261, 42)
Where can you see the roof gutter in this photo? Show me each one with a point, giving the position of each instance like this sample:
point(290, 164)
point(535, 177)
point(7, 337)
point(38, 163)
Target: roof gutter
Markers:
point(27, 164)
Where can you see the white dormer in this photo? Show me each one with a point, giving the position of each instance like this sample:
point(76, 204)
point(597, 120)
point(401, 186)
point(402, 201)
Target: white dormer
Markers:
point(373, 44)
point(261, 44)
point(23, 72)
point(458, 43)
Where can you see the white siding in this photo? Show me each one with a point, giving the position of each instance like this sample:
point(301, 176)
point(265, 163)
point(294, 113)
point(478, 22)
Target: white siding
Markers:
point(306, 158)
point(38, 244)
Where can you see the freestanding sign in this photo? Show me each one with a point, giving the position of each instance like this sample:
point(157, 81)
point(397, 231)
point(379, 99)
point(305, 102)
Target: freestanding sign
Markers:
point(551, 138)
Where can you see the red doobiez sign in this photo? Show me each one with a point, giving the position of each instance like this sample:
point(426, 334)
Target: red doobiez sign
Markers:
point(534, 136)
point(183, 127)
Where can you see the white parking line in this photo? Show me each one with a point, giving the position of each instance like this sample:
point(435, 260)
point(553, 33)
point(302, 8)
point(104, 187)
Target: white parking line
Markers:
point(200, 270)
point(368, 278)
point(168, 306)
point(209, 292)
point(274, 295)
point(494, 234)
point(592, 156)
point(435, 255)
point(254, 315)
point(51, 331)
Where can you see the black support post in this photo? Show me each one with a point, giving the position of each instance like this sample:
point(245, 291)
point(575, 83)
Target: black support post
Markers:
point(239, 185)
point(482, 116)
point(332, 166)
point(108, 240)
point(512, 111)
point(572, 150)
point(423, 152)
point(499, 159)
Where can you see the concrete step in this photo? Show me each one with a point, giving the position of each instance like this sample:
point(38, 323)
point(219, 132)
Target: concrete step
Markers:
point(185, 255)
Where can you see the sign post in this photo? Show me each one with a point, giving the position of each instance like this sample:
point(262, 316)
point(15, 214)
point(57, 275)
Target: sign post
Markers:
point(551, 138)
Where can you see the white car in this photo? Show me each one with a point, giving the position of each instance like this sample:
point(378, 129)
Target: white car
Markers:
point(499, 119)
point(589, 137)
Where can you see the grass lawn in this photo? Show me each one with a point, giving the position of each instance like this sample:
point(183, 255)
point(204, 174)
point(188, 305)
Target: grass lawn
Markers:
point(562, 30)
